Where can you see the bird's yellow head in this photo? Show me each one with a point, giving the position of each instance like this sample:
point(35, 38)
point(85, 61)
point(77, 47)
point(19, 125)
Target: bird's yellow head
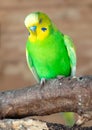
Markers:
point(38, 25)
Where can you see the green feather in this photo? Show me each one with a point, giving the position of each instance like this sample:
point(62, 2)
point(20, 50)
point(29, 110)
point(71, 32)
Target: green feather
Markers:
point(50, 58)
point(69, 118)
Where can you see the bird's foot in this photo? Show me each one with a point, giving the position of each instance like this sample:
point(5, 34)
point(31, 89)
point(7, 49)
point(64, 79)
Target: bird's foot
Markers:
point(43, 81)
point(60, 77)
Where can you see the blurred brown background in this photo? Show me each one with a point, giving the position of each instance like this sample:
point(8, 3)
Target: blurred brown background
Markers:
point(71, 17)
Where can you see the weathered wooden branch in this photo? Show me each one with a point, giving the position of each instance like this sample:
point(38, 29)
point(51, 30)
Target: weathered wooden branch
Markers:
point(57, 95)
point(34, 124)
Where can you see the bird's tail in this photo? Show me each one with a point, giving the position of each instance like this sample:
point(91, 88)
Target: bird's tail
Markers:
point(69, 118)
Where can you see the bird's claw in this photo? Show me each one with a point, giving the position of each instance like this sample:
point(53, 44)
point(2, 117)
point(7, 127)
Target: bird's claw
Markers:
point(60, 77)
point(43, 81)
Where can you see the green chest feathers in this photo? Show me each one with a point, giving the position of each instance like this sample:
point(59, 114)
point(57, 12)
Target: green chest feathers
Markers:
point(50, 58)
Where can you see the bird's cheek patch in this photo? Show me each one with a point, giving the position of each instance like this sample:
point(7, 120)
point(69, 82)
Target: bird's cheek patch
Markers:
point(32, 38)
point(43, 33)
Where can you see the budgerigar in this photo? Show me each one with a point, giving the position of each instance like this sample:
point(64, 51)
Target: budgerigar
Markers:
point(49, 52)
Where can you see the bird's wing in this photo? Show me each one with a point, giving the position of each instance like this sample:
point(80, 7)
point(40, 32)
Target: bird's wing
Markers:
point(71, 52)
point(30, 64)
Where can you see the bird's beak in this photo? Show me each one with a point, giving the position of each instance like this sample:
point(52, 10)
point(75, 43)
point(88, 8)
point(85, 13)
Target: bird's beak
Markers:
point(33, 28)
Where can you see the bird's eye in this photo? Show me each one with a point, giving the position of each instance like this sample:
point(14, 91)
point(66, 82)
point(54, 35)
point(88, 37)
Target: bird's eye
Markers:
point(44, 29)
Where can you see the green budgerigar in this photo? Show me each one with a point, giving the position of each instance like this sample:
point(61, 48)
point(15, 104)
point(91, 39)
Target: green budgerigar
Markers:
point(49, 52)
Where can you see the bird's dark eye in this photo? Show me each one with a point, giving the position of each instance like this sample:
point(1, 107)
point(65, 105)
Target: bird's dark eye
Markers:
point(44, 29)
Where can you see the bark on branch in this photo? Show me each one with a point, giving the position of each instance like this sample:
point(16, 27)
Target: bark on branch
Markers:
point(57, 95)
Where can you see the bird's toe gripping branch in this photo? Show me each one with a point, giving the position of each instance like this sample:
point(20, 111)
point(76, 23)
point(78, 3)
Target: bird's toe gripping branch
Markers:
point(60, 77)
point(43, 81)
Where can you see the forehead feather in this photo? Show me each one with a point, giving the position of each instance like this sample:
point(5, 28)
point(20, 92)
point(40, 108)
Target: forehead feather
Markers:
point(31, 19)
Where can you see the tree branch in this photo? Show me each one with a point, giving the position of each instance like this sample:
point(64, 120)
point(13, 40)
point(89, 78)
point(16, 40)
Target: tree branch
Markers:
point(57, 95)
point(34, 124)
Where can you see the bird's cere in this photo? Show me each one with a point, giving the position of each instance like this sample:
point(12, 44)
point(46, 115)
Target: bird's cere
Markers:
point(33, 28)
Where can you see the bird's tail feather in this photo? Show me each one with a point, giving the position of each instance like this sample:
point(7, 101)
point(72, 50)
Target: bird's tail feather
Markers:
point(69, 118)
